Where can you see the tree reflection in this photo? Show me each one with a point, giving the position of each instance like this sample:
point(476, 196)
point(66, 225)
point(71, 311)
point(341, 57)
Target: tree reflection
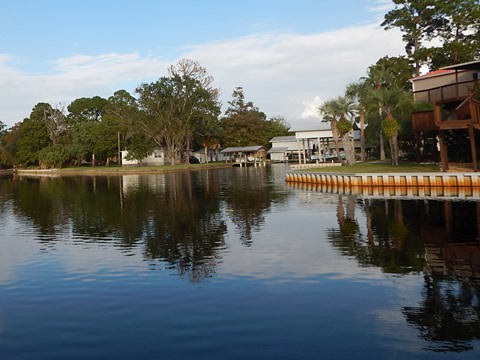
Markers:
point(383, 245)
point(436, 238)
point(448, 316)
point(186, 229)
point(177, 219)
point(249, 198)
point(178, 223)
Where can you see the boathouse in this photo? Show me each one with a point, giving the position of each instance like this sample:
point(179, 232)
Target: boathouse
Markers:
point(284, 149)
point(245, 155)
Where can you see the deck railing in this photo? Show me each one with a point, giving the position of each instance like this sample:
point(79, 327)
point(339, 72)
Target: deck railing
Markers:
point(475, 111)
point(446, 92)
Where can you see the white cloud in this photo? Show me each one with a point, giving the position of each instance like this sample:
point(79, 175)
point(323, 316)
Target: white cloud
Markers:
point(284, 74)
point(71, 78)
point(310, 108)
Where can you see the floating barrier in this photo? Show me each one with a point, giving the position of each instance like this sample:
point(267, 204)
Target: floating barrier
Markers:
point(455, 185)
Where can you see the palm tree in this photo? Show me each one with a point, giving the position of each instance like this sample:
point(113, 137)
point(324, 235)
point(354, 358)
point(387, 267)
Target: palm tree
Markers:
point(329, 114)
point(358, 91)
point(378, 78)
point(340, 112)
point(389, 100)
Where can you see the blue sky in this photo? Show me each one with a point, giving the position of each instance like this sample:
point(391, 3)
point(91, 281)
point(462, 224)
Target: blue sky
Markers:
point(288, 55)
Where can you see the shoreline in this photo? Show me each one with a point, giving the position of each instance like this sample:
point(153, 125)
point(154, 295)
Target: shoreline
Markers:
point(116, 170)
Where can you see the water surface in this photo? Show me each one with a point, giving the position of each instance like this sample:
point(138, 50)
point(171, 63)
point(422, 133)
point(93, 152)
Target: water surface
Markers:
point(232, 264)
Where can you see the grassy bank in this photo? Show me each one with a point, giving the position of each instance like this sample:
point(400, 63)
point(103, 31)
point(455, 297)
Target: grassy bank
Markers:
point(103, 170)
point(378, 167)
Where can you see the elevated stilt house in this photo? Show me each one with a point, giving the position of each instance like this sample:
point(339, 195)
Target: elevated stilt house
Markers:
point(451, 91)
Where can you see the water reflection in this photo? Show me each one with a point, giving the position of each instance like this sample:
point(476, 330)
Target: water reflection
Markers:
point(285, 256)
point(455, 193)
point(439, 239)
point(179, 219)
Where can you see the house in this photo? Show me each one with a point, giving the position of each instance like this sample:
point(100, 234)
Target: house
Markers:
point(315, 143)
point(245, 154)
point(451, 91)
point(311, 143)
point(157, 157)
point(284, 148)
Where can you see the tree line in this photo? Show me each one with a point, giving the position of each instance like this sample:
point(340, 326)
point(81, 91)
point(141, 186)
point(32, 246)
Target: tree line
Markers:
point(181, 112)
point(178, 113)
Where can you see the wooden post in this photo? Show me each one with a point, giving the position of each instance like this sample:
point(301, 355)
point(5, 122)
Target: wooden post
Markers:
point(437, 114)
point(443, 150)
point(417, 146)
point(299, 152)
point(473, 148)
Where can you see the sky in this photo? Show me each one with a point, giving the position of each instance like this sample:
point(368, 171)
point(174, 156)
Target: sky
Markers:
point(289, 56)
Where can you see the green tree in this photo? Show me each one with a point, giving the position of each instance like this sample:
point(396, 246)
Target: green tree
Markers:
point(139, 147)
point(158, 120)
point(384, 74)
point(358, 91)
point(459, 32)
point(455, 24)
point(9, 146)
point(31, 137)
point(417, 21)
point(389, 100)
point(3, 151)
point(120, 113)
point(175, 108)
point(87, 109)
point(244, 124)
point(196, 99)
point(276, 126)
point(53, 156)
point(89, 134)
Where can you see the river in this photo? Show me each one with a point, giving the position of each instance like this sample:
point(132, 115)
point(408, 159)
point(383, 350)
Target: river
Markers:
point(232, 263)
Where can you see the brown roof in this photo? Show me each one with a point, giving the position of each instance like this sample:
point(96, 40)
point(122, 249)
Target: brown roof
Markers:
point(434, 73)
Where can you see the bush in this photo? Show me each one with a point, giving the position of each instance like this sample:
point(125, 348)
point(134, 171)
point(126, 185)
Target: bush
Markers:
point(52, 156)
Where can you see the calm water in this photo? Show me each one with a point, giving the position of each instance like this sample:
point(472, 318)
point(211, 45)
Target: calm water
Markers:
point(232, 264)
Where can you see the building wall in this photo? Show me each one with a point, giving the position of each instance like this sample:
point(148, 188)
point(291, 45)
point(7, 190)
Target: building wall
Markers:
point(427, 83)
point(290, 145)
point(155, 158)
point(313, 134)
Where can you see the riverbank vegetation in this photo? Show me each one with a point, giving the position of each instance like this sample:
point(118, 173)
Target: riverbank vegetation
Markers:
point(383, 98)
point(112, 170)
point(181, 112)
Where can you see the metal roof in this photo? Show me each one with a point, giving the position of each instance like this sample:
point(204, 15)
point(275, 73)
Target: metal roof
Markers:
point(278, 139)
point(242, 149)
point(472, 65)
point(277, 150)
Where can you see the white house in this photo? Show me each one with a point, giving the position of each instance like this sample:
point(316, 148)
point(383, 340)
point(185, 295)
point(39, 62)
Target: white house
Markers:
point(156, 158)
point(283, 148)
point(308, 144)
point(314, 143)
